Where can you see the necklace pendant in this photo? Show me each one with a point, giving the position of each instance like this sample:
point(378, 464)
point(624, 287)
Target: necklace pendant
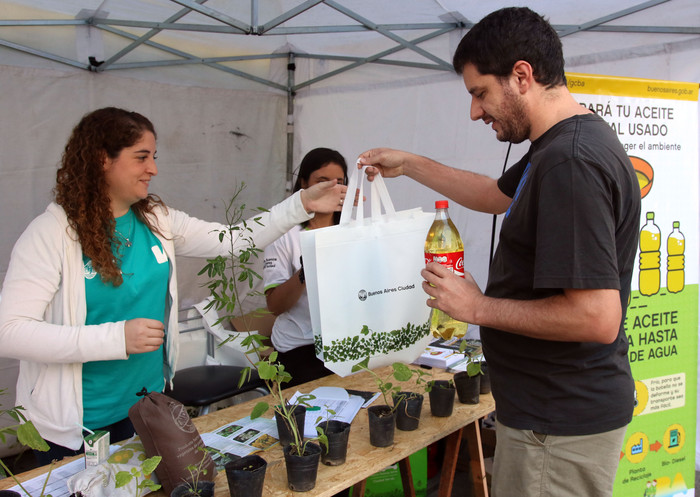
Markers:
point(128, 243)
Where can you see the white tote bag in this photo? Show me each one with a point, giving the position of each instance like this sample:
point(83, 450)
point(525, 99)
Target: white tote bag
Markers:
point(364, 284)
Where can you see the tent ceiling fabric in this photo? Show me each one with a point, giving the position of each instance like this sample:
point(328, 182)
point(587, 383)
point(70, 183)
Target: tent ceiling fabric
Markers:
point(243, 39)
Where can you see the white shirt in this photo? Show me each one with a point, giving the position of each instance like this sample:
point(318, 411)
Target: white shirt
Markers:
point(292, 328)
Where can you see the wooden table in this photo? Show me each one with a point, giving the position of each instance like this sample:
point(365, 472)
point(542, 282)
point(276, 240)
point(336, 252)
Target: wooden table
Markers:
point(363, 460)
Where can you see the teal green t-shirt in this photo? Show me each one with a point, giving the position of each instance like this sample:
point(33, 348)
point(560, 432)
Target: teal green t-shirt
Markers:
point(110, 387)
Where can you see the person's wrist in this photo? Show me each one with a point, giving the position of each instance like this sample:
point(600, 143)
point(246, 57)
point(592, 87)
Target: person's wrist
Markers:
point(305, 201)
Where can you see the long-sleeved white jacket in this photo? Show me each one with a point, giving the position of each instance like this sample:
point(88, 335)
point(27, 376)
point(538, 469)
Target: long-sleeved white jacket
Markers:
point(42, 310)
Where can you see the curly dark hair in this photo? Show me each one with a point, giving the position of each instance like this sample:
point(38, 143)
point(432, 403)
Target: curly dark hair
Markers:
point(82, 190)
point(508, 35)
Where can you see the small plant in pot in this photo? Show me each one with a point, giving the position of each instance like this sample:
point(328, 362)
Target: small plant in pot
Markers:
point(225, 273)
point(196, 485)
point(301, 456)
point(382, 417)
point(337, 434)
point(468, 383)
point(442, 397)
point(246, 475)
point(410, 404)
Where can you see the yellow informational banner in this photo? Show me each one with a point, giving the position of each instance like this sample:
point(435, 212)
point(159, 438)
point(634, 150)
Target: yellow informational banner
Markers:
point(657, 122)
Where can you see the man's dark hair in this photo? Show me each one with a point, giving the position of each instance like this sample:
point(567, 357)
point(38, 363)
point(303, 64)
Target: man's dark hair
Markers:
point(508, 35)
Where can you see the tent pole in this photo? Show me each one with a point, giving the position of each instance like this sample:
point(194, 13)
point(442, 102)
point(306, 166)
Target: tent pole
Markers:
point(291, 67)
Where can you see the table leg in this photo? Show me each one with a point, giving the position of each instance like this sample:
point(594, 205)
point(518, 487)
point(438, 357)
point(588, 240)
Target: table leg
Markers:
point(358, 489)
point(406, 477)
point(472, 432)
point(449, 463)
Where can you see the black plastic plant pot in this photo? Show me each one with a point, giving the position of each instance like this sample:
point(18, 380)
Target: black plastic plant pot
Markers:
point(408, 409)
point(283, 428)
point(467, 387)
point(203, 489)
point(337, 433)
point(9, 493)
point(442, 398)
point(381, 425)
point(302, 469)
point(485, 380)
point(246, 476)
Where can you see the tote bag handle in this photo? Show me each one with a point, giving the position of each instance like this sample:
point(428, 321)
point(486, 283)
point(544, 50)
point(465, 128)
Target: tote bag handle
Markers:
point(379, 196)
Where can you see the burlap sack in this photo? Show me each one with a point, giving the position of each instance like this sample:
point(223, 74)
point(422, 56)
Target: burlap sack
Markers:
point(166, 430)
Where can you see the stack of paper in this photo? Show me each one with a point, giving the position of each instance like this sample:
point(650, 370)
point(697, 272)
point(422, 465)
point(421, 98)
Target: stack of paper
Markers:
point(328, 399)
point(446, 353)
point(438, 357)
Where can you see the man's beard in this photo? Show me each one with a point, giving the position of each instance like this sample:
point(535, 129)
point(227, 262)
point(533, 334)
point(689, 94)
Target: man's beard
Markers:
point(515, 127)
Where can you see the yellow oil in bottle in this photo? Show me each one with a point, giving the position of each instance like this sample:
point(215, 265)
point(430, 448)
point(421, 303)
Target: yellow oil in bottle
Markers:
point(675, 248)
point(444, 245)
point(649, 257)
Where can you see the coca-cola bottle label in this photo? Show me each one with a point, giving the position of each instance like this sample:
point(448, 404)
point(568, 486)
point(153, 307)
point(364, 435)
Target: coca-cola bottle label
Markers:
point(454, 261)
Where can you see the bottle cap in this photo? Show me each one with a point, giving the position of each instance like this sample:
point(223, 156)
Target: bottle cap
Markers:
point(441, 204)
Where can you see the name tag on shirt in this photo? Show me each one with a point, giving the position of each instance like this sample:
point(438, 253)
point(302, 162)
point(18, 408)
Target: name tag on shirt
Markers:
point(160, 254)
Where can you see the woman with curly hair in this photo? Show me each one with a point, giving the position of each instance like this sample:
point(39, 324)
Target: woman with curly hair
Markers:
point(89, 302)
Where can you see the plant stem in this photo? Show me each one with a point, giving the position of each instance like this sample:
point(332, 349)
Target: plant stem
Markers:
point(7, 470)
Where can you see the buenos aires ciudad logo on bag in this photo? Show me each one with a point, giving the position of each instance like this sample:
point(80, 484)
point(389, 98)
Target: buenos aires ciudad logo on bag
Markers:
point(364, 294)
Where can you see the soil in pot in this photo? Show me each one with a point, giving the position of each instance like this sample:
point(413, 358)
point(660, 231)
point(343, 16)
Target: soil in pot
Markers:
point(203, 489)
point(408, 409)
point(381, 425)
point(442, 398)
point(302, 469)
point(246, 476)
point(467, 387)
point(283, 428)
point(485, 380)
point(337, 433)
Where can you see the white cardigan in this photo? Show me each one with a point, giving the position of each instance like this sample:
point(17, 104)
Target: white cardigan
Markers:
point(42, 310)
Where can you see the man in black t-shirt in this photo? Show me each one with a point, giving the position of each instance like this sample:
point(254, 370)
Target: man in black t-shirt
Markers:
point(552, 314)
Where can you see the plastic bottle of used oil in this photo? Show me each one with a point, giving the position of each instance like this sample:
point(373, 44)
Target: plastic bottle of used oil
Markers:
point(649, 257)
point(675, 248)
point(444, 245)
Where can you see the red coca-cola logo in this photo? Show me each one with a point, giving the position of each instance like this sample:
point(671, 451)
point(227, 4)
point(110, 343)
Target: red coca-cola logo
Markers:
point(459, 265)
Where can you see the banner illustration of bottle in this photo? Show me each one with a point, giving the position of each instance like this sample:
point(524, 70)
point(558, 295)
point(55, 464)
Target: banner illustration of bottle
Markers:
point(675, 245)
point(649, 257)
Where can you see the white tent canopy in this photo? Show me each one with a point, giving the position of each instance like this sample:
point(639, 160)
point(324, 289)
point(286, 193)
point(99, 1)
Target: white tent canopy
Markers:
point(241, 90)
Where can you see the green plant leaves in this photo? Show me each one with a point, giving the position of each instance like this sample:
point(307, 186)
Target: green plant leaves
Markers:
point(28, 435)
point(370, 343)
point(259, 409)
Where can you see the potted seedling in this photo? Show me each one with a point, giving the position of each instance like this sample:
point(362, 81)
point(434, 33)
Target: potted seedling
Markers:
point(301, 456)
point(468, 382)
point(441, 394)
point(337, 434)
point(225, 272)
point(196, 485)
point(27, 435)
point(382, 417)
point(409, 404)
point(246, 476)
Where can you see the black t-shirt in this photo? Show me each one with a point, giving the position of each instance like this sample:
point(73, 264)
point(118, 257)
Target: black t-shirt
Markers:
point(573, 223)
